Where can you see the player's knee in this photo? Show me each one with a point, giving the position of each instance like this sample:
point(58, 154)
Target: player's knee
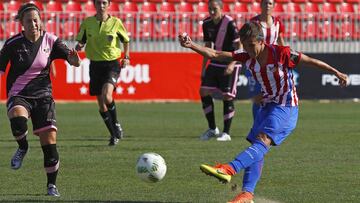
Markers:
point(51, 157)
point(264, 138)
point(107, 98)
point(19, 126)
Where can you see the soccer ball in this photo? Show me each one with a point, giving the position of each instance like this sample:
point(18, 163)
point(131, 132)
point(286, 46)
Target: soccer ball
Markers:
point(151, 167)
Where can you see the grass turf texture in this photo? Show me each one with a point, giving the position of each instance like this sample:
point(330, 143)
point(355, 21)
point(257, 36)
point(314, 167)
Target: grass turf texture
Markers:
point(319, 162)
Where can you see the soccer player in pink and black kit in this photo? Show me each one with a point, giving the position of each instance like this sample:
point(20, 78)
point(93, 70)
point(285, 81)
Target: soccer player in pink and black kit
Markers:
point(28, 86)
point(273, 31)
point(219, 31)
point(272, 66)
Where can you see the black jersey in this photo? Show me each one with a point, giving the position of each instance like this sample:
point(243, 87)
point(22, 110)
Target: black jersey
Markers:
point(223, 34)
point(30, 64)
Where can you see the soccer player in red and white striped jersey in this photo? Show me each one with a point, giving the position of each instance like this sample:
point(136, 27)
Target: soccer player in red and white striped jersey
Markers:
point(271, 66)
point(273, 30)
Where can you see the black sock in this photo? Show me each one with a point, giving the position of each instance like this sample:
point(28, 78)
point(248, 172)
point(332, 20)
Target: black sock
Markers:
point(51, 163)
point(23, 144)
point(208, 107)
point(112, 110)
point(108, 121)
point(229, 111)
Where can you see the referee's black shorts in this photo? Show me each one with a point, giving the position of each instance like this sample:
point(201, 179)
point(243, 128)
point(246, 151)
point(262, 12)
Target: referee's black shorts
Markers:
point(102, 72)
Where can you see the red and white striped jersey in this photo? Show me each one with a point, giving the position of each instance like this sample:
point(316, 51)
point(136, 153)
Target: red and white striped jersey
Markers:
point(271, 33)
point(276, 77)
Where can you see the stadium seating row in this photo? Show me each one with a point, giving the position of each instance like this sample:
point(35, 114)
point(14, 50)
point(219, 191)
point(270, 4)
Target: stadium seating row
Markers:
point(163, 21)
point(184, 6)
point(159, 28)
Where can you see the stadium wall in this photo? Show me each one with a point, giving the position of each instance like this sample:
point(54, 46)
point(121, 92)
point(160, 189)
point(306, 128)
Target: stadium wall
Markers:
point(161, 76)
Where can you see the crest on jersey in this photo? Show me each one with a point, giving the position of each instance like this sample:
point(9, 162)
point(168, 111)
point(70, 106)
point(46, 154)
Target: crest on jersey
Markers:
point(110, 38)
point(46, 50)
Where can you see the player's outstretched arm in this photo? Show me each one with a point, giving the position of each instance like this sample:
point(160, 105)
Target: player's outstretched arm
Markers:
point(308, 61)
point(186, 42)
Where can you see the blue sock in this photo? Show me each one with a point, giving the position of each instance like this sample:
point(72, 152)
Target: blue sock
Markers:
point(255, 109)
point(252, 176)
point(252, 154)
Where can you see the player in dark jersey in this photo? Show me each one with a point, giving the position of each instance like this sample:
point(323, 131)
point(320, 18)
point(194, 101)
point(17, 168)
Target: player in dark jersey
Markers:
point(220, 32)
point(29, 90)
point(102, 35)
point(272, 66)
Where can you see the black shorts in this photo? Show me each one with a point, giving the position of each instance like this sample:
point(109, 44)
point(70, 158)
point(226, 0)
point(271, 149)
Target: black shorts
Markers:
point(215, 80)
point(102, 72)
point(41, 111)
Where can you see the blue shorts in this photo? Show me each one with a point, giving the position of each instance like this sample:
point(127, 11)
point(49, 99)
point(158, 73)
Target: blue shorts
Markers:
point(275, 121)
point(253, 86)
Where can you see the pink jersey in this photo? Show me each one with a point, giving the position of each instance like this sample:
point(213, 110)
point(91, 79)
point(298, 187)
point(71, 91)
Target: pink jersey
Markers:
point(271, 33)
point(276, 77)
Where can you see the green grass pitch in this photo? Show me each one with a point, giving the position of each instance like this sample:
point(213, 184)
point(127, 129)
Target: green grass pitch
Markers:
point(319, 162)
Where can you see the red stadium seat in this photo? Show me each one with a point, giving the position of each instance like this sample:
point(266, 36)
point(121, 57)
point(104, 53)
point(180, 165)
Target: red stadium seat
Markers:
point(255, 8)
point(311, 9)
point(131, 27)
point(12, 8)
point(278, 8)
point(186, 26)
point(53, 8)
point(73, 10)
point(347, 30)
point(130, 9)
point(155, 1)
point(336, 1)
point(293, 8)
point(282, 1)
point(114, 9)
point(329, 8)
point(202, 10)
point(148, 9)
point(346, 8)
point(174, 1)
point(51, 26)
point(226, 8)
point(38, 4)
point(185, 9)
point(352, 2)
point(166, 30)
point(70, 29)
point(327, 30)
point(167, 9)
point(293, 29)
point(317, 1)
point(346, 11)
point(89, 8)
point(146, 29)
point(309, 30)
point(194, 1)
point(299, 1)
point(12, 28)
point(229, 1)
point(240, 9)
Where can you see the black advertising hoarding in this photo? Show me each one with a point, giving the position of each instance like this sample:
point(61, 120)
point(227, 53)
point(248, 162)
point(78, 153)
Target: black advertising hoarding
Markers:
point(313, 83)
